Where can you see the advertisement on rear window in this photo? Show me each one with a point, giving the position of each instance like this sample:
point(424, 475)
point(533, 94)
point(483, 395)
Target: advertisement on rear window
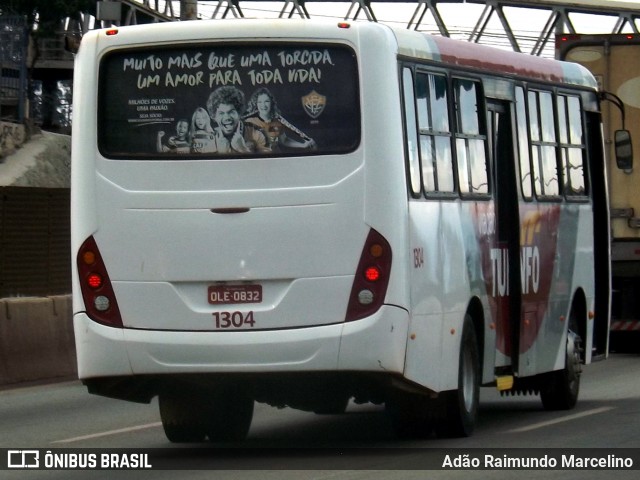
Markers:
point(228, 101)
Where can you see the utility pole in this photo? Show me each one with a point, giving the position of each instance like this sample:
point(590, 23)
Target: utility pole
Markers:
point(188, 9)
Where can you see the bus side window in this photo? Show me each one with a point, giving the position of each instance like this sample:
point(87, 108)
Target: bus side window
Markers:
point(523, 145)
point(413, 156)
point(435, 133)
point(543, 143)
point(572, 146)
point(470, 141)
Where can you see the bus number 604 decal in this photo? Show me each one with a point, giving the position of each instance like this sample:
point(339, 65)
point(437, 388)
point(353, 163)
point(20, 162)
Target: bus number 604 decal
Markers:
point(234, 319)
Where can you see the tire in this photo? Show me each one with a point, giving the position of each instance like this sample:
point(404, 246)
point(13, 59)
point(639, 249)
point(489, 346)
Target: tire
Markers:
point(228, 417)
point(180, 420)
point(560, 389)
point(221, 416)
point(460, 407)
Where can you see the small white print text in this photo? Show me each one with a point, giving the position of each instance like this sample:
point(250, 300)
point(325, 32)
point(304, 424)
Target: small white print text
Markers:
point(33, 459)
point(542, 462)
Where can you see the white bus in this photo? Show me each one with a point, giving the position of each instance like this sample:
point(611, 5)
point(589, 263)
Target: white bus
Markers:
point(309, 213)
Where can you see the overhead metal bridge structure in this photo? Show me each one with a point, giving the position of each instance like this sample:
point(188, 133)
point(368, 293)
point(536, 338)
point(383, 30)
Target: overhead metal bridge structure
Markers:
point(488, 21)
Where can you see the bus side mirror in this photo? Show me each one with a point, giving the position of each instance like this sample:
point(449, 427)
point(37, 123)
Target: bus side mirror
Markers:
point(624, 150)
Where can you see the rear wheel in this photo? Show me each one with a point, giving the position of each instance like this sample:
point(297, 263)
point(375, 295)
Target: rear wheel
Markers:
point(180, 418)
point(229, 416)
point(460, 407)
point(221, 416)
point(560, 389)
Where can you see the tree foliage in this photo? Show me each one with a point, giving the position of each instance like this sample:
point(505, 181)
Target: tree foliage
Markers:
point(46, 15)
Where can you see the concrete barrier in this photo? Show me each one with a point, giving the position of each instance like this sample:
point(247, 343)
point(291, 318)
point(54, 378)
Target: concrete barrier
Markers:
point(36, 339)
point(12, 136)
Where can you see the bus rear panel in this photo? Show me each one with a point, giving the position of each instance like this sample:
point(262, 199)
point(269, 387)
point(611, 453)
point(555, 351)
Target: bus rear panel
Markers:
point(216, 235)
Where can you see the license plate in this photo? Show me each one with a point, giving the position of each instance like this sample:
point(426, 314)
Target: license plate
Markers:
point(228, 294)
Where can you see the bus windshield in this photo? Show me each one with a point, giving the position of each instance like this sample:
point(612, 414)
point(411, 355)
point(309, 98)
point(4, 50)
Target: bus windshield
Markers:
point(210, 101)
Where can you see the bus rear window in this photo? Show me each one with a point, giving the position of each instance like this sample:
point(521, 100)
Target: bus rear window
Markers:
point(209, 101)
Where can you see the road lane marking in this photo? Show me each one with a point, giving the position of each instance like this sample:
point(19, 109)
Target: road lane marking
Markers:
point(528, 428)
point(566, 418)
point(110, 432)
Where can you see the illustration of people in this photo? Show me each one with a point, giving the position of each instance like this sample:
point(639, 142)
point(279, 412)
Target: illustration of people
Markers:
point(226, 105)
point(178, 143)
point(264, 113)
point(203, 138)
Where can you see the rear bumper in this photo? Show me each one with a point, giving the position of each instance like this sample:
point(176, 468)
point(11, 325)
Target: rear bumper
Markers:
point(374, 344)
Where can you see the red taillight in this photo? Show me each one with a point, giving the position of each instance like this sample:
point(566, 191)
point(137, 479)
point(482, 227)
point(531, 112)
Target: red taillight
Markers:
point(372, 278)
point(95, 285)
point(372, 274)
point(94, 281)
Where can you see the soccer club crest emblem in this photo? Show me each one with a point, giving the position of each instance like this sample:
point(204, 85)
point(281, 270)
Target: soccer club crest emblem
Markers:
point(314, 104)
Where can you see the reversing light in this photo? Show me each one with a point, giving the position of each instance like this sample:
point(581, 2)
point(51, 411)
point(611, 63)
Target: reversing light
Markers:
point(101, 303)
point(365, 297)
